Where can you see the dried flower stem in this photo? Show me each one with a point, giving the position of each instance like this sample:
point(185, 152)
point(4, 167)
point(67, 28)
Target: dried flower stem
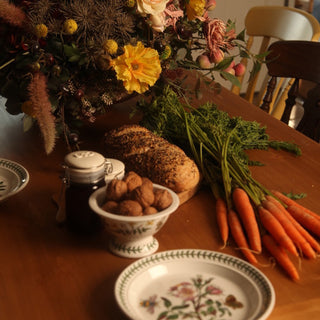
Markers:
point(42, 108)
point(12, 14)
point(7, 63)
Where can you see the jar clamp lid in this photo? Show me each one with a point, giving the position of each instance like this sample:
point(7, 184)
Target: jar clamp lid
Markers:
point(117, 172)
point(86, 166)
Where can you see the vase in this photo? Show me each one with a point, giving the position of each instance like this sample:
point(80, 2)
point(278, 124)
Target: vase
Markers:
point(91, 134)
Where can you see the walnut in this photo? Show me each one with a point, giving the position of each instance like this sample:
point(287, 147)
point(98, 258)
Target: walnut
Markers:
point(148, 182)
point(144, 195)
point(162, 199)
point(110, 206)
point(133, 180)
point(116, 190)
point(150, 210)
point(130, 208)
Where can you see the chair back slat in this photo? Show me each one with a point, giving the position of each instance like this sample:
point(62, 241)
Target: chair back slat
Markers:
point(284, 23)
point(295, 59)
point(299, 60)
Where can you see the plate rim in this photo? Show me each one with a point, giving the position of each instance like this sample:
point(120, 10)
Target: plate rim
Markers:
point(193, 254)
point(19, 170)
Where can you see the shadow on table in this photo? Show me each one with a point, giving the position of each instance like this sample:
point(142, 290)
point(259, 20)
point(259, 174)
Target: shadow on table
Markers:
point(102, 304)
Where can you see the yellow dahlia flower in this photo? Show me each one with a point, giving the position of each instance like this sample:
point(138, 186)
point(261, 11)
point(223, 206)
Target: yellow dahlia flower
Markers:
point(41, 30)
point(139, 67)
point(195, 8)
point(70, 26)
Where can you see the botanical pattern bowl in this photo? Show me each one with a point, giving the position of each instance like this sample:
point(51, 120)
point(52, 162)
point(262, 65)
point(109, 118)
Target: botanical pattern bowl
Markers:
point(132, 237)
point(13, 178)
point(194, 284)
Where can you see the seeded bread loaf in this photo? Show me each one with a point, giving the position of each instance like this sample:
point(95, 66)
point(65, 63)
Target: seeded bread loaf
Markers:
point(152, 156)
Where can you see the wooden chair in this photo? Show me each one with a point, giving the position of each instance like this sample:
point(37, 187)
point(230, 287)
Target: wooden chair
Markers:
point(267, 24)
point(299, 60)
point(304, 5)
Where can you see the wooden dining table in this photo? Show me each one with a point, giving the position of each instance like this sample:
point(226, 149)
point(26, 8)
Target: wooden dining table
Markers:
point(47, 272)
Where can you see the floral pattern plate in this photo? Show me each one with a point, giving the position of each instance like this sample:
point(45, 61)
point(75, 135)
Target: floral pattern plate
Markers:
point(13, 178)
point(194, 284)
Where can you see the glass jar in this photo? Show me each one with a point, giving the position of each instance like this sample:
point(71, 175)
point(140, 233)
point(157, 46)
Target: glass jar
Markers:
point(85, 172)
point(117, 171)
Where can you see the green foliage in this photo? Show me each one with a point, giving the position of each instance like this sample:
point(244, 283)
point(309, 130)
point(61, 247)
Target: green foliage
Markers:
point(241, 35)
point(74, 54)
point(295, 196)
point(230, 77)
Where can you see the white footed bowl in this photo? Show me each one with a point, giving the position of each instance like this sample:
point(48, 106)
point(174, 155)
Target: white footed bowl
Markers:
point(132, 237)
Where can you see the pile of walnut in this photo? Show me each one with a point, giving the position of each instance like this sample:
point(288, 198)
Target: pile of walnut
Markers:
point(135, 196)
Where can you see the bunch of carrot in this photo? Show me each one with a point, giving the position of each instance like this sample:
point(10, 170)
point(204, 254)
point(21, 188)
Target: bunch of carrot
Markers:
point(254, 216)
point(277, 223)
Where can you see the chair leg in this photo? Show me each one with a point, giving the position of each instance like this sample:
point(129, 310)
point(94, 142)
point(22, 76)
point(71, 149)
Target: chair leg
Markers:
point(253, 82)
point(292, 94)
point(268, 96)
point(279, 106)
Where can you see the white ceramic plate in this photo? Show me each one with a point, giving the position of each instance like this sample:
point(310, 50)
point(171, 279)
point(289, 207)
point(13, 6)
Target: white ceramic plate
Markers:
point(194, 284)
point(13, 178)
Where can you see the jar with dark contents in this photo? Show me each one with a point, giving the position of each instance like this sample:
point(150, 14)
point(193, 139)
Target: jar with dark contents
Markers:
point(85, 172)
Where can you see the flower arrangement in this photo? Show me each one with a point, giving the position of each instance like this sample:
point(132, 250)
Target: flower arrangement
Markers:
point(65, 61)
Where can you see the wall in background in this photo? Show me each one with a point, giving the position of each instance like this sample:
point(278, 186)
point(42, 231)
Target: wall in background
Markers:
point(237, 9)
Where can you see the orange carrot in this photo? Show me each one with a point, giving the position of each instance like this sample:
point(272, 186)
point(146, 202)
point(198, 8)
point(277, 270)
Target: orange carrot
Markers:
point(310, 239)
point(248, 218)
point(222, 220)
point(290, 229)
point(274, 227)
point(239, 236)
point(281, 256)
point(307, 220)
point(276, 202)
point(288, 202)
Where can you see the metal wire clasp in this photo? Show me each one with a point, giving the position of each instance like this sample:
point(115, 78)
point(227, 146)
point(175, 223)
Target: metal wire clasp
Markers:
point(108, 167)
point(66, 177)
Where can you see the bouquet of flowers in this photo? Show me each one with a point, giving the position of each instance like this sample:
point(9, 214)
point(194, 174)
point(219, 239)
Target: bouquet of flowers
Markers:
point(65, 61)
